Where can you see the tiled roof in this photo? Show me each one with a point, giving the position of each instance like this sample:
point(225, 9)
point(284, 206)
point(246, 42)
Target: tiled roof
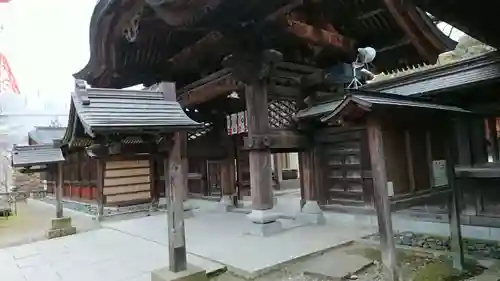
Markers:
point(118, 111)
point(462, 73)
point(46, 135)
point(32, 155)
point(371, 99)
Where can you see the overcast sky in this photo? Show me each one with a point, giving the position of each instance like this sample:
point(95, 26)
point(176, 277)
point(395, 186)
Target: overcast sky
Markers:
point(46, 41)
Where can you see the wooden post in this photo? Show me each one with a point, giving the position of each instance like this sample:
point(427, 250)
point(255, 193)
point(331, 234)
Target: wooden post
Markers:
point(381, 198)
point(174, 190)
point(278, 169)
point(463, 141)
point(101, 166)
point(155, 192)
point(492, 132)
point(260, 160)
point(59, 187)
point(184, 165)
point(306, 170)
point(454, 207)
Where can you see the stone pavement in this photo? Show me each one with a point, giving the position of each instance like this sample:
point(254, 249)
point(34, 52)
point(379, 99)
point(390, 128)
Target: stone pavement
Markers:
point(129, 250)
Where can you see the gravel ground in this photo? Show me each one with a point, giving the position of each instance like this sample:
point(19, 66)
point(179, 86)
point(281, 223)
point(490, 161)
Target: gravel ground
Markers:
point(32, 221)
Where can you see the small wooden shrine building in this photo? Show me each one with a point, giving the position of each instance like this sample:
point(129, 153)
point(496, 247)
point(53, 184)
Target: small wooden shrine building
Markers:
point(115, 143)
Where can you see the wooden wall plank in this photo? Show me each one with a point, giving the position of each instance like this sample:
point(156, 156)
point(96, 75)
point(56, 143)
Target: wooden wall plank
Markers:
point(126, 181)
point(126, 189)
point(126, 164)
point(127, 172)
point(128, 197)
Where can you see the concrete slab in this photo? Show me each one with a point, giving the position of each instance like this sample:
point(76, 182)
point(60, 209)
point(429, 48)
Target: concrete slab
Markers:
point(222, 238)
point(100, 255)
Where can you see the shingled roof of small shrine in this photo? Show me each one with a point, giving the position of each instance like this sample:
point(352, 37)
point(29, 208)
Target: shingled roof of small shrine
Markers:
point(120, 111)
point(33, 155)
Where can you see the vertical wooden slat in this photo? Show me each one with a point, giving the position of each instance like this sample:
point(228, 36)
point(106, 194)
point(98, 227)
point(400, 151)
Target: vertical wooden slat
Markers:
point(101, 166)
point(428, 149)
point(492, 132)
point(174, 185)
point(155, 193)
point(463, 142)
point(59, 188)
point(409, 161)
point(454, 206)
point(382, 204)
point(260, 160)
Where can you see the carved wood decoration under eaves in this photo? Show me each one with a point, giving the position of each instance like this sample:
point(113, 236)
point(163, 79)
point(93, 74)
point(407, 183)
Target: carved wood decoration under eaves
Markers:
point(281, 114)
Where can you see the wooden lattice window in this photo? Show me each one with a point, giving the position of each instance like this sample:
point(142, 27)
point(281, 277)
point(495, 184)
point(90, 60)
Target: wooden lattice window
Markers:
point(281, 114)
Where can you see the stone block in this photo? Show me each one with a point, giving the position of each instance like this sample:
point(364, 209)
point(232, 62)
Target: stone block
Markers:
point(224, 205)
point(265, 229)
point(311, 213)
point(192, 273)
point(59, 223)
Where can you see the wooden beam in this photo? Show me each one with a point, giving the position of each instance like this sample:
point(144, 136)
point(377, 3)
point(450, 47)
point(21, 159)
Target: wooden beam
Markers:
point(277, 140)
point(381, 198)
point(320, 36)
point(208, 88)
point(174, 188)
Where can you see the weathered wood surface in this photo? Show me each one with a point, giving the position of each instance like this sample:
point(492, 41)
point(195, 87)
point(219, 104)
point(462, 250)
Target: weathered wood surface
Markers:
point(174, 190)
point(59, 189)
point(101, 165)
point(457, 247)
point(382, 204)
point(260, 160)
point(492, 132)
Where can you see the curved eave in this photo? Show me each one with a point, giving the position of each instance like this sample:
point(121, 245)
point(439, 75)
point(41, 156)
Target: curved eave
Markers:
point(96, 35)
point(426, 44)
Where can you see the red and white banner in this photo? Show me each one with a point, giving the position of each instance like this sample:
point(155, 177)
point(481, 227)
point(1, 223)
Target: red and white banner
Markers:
point(237, 123)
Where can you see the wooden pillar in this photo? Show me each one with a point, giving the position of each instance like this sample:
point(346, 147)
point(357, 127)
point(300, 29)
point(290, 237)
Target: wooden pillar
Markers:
point(154, 189)
point(306, 170)
point(463, 142)
point(228, 180)
point(278, 169)
point(184, 165)
point(381, 198)
point(454, 207)
point(59, 188)
point(260, 160)
point(492, 132)
point(101, 166)
point(174, 188)
point(478, 141)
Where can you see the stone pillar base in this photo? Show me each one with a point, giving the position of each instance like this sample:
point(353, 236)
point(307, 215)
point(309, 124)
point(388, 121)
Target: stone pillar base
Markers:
point(61, 227)
point(264, 223)
point(225, 204)
point(192, 273)
point(311, 213)
point(188, 210)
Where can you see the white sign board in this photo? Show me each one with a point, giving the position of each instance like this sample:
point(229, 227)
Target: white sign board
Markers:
point(237, 123)
point(439, 173)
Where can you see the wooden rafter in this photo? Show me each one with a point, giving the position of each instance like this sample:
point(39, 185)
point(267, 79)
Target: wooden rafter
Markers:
point(319, 36)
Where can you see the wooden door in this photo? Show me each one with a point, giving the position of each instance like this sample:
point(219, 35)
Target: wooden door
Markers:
point(214, 182)
point(344, 166)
